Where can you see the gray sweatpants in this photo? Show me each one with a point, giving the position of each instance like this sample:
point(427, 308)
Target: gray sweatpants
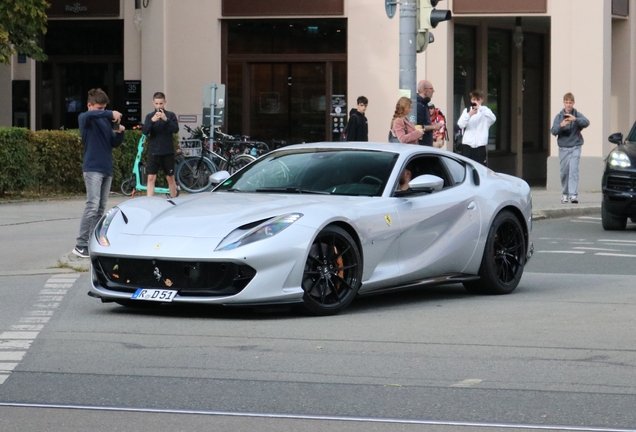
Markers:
point(569, 158)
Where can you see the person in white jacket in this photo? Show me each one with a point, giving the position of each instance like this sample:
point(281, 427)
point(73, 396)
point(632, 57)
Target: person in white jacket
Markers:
point(475, 123)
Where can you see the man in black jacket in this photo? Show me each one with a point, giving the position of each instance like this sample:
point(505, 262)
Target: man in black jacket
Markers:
point(159, 127)
point(424, 94)
point(358, 128)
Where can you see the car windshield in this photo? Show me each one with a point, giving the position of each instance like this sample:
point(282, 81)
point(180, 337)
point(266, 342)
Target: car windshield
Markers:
point(316, 171)
point(631, 137)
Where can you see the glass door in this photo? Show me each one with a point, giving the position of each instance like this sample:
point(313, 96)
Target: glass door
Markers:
point(288, 102)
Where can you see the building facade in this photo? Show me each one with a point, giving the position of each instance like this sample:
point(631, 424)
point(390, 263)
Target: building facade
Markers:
point(293, 68)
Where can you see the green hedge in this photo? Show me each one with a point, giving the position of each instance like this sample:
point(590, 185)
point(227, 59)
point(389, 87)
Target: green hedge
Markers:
point(50, 161)
point(18, 159)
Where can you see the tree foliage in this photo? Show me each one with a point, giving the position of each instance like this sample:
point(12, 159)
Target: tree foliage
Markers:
point(21, 24)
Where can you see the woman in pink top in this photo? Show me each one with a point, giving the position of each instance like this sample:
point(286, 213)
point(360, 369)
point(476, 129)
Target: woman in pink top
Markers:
point(401, 127)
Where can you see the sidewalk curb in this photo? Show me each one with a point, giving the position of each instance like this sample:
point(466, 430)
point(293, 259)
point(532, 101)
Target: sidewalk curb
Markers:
point(570, 211)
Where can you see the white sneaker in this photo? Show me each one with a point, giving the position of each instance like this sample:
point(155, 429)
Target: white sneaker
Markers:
point(574, 200)
point(564, 199)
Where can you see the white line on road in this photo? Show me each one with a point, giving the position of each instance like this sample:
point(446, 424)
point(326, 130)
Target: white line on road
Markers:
point(7, 367)
point(18, 335)
point(618, 241)
point(584, 221)
point(323, 417)
point(590, 217)
point(616, 255)
point(562, 252)
point(467, 383)
point(15, 343)
point(596, 249)
point(11, 355)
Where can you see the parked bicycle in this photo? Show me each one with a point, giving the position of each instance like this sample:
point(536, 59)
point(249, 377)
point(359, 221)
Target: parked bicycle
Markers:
point(204, 158)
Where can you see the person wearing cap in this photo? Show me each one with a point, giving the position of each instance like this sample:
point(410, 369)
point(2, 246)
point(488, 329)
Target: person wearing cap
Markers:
point(425, 92)
point(437, 118)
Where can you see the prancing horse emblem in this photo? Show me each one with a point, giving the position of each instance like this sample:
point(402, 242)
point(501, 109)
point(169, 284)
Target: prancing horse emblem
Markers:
point(387, 218)
point(157, 273)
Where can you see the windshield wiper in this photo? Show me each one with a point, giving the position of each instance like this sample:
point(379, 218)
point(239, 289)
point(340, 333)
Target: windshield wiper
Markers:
point(291, 190)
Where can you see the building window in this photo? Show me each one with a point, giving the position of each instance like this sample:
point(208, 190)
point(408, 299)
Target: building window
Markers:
point(465, 77)
point(499, 87)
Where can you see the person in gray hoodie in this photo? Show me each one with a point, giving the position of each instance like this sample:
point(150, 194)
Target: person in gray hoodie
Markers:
point(567, 127)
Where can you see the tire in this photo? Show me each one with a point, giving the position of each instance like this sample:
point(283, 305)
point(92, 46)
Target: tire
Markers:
point(128, 186)
point(611, 222)
point(239, 162)
point(193, 174)
point(332, 274)
point(504, 257)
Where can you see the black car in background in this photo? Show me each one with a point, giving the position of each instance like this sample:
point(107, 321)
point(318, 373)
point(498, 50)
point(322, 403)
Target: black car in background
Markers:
point(619, 182)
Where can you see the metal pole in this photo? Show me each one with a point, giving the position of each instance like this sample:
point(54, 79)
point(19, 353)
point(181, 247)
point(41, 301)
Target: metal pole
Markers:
point(408, 51)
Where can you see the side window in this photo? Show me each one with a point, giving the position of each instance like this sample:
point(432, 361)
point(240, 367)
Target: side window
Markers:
point(429, 165)
point(457, 170)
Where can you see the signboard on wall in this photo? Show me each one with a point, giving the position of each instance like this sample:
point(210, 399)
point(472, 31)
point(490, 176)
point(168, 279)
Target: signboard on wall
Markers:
point(499, 6)
point(83, 8)
point(282, 7)
point(132, 103)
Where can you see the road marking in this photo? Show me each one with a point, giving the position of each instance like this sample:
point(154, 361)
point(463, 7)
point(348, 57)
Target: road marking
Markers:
point(590, 217)
point(618, 241)
point(467, 383)
point(597, 249)
point(18, 335)
point(584, 221)
point(619, 244)
point(563, 252)
point(616, 255)
point(322, 417)
point(11, 355)
point(7, 367)
point(15, 343)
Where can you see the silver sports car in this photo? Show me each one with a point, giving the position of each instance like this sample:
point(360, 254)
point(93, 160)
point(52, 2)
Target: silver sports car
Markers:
point(319, 224)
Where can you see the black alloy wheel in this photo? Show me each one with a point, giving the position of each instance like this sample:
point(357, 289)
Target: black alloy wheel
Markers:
point(333, 272)
point(504, 257)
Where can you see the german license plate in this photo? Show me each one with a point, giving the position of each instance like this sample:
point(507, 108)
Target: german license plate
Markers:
point(154, 295)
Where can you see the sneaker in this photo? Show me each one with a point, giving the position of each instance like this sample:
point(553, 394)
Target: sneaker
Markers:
point(81, 251)
point(574, 200)
point(564, 199)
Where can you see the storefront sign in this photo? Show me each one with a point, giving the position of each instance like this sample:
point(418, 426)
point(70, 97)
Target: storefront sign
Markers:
point(188, 119)
point(338, 115)
point(132, 103)
point(282, 7)
point(499, 6)
point(83, 8)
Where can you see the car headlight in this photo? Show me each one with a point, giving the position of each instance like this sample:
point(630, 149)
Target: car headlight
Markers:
point(241, 237)
point(102, 227)
point(619, 159)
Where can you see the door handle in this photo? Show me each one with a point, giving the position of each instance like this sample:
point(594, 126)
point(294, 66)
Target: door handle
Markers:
point(472, 205)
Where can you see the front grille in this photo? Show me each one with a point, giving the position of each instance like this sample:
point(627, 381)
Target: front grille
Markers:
point(623, 183)
point(190, 278)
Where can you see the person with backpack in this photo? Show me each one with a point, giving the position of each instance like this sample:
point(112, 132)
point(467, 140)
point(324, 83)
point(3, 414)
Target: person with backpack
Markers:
point(437, 117)
point(358, 128)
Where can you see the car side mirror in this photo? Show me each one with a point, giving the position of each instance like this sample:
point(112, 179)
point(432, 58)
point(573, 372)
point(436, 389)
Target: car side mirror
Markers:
point(219, 177)
point(616, 138)
point(426, 182)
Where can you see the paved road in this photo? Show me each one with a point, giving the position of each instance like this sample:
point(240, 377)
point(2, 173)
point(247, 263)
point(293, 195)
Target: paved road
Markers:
point(559, 351)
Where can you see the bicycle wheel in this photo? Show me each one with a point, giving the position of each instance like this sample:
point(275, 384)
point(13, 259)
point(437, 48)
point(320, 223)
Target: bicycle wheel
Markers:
point(128, 185)
point(240, 161)
point(193, 174)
